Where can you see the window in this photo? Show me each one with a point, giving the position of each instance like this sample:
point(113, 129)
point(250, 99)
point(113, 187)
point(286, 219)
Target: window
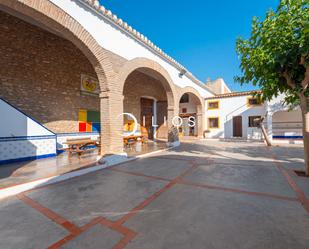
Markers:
point(184, 110)
point(213, 123)
point(254, 101)
point(213, 105)
point(254, 121)
point(185, 98)
point(88, 121)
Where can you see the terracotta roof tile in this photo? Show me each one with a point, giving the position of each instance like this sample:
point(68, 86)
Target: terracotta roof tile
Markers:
point(234, 94)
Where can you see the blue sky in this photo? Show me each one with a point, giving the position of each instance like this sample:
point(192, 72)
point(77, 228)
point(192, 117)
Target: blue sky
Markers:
point(200, 34)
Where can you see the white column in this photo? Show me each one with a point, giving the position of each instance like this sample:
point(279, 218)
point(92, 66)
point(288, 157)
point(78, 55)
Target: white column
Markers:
point(154, 119)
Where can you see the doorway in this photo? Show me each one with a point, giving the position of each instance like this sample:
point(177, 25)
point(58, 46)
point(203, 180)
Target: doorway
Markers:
point(186, 129)
point(147, 112)
point(237, 126)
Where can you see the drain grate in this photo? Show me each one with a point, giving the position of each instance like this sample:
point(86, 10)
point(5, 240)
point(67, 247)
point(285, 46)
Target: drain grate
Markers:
point(300, 173)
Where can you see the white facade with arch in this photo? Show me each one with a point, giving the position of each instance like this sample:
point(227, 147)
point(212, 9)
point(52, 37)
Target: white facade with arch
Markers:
point(121, 42)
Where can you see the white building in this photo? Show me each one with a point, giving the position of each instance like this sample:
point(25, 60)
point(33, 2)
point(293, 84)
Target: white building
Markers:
point(234, 115)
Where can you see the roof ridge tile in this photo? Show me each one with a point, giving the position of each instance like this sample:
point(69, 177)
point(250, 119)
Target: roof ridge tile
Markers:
point(95, 4)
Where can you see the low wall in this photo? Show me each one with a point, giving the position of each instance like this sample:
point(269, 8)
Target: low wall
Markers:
point(16, 149)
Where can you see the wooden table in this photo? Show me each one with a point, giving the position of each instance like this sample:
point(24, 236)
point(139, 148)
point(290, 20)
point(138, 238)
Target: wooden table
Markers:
point(127, 139)
point(79, 146)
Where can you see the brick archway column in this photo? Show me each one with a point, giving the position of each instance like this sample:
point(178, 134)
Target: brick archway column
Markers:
point(172, 110)
point(200, 124)
point(200, 110)
point(162, 75)
point(170, 116)
point(111, 109)
point(200, 116)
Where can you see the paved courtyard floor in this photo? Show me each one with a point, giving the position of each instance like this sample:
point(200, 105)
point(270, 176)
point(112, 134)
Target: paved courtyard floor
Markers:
point(209, 194)
point(14, 174)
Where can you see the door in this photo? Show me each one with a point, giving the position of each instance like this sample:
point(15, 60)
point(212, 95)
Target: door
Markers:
point(146, 115)
point(237, 126)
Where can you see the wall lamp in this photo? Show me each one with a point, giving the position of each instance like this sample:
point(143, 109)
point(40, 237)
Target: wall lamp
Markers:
point(182, 73)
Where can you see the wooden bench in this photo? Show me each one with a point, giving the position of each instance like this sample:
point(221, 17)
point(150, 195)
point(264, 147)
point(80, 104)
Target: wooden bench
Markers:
point(133, 139)
point(81, 145)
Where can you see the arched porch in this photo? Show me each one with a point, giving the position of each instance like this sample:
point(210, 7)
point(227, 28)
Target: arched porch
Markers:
point(148, 95)
point(191, 113)
point(55, 73)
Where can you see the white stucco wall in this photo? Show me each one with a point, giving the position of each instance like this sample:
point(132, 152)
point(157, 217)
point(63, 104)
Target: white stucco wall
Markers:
point(282, 122)
point(16, 124)
point(191, 107)
point(276, 104)
point(112, 38)
point(287, 123)
point(228, 108)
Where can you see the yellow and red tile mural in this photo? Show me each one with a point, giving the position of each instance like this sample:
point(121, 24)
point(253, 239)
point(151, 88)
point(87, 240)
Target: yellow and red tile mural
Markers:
point(89, 121)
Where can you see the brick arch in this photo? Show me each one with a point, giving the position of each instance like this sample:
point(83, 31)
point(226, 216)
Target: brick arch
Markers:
point(158, 70)
point(200, 107)
point(55, 19)
point(193, 91)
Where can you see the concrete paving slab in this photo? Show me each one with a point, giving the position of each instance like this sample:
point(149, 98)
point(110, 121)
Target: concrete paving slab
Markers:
point(156, 166)
point(183, 216)
point(225, 152)
point(22, 227)
point(241, 153)
point(94, 238)
point(249, 178)
point(240, 159)
point(291, 157)
point(104, 193)
point(190, 217)
point(303, 184)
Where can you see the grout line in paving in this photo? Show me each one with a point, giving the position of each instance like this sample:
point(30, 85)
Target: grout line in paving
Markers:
point(62, 241)
point(201, 185)
point(240, 164)
point(126, 232)
point(208, 186)
point(139, 174)
point(153, 197)
point(168, 158)
point(50, 214)
point(70, 237)
point(299, 193)
point(145, 203)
